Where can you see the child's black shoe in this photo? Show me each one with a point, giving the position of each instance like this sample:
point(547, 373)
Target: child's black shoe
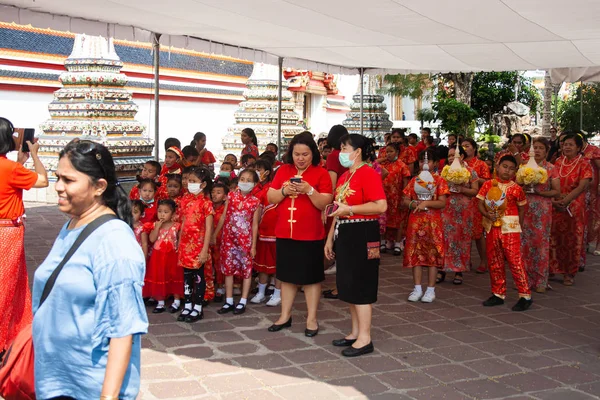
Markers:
point(493, 301)
point(522, 305)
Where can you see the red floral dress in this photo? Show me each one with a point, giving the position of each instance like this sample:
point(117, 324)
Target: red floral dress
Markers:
point(393, 184)
point(425, 234)
point(250, 149)
point(149, 215)
point(535, 232)
point(408, 155)
point(567, 237)
point(163, 276)
point(236, 244)
point(194, 211)
point(592, 153)
point(458, 229)
point(265, 260)
point(483, 172)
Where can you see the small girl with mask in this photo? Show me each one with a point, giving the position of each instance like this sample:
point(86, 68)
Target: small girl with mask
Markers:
point(238, 243)
point(147, 189)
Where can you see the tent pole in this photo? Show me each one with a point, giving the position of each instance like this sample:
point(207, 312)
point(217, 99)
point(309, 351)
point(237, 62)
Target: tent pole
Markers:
point(279, 95)
point(156, 49)
point(362, 90)
point(580, 105)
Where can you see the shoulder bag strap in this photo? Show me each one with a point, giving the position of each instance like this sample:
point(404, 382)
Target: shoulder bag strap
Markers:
point(87, 231)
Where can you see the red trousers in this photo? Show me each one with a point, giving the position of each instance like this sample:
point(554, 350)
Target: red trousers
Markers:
point(501, 247)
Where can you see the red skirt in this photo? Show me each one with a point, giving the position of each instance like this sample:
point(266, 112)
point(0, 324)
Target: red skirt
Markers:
point(15, 297)
point(163, 276)
point(266, 257)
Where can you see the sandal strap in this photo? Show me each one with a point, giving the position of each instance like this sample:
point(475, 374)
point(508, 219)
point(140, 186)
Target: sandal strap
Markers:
point(194, 311)
point(227, 306)
point(186, 311)
point(239, 306)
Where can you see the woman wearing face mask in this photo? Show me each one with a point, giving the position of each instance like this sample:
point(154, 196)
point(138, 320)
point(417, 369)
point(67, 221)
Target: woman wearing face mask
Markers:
point(360, 199)
point(302, 189)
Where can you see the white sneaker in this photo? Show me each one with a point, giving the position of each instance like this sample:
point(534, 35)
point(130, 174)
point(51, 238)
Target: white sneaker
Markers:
point(274, 301)
point(259, 298)
point(331, 270)
point(428, 297)
point(415, 296)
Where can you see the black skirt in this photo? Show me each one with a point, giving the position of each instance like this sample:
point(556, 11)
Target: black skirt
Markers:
point(357, 262)
point(300, 261)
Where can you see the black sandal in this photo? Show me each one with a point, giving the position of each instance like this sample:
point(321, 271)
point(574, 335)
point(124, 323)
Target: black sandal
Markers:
point(458, 278)
point(194, 316)
point(184, 314)
point(328, 294)
point(441, 277)
point(225, 309)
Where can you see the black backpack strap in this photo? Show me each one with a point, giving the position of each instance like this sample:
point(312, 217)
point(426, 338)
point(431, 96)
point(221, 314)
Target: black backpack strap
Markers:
point(87, 231)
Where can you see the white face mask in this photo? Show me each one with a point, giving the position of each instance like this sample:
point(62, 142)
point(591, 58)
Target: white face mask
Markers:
point(194, 188)
point(245, 187)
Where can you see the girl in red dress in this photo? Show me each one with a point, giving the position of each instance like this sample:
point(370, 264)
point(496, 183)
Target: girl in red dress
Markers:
point(196, 231)
point(250, 143)
point(238, 246)
point(265, 260)
point(592, 154)
point(425, 197)
point(393, 184)
point(570, 216)
point(140, 230)
point(218, 196)
point(205, 157)
point(483, 174)
point(147, 189)
point(163, 276)
point(150, 170)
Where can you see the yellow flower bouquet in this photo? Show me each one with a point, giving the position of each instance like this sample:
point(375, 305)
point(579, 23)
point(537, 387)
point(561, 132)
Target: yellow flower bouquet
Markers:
point(526, 175)
point(458, 176)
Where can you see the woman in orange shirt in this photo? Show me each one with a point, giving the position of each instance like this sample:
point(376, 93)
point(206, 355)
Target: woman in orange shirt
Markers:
point(15, 297)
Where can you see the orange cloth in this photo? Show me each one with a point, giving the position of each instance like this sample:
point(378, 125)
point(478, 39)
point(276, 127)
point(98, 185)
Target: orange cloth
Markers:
point(14, 178)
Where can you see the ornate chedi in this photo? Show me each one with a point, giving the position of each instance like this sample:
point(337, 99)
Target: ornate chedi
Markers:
point(376, 122)
point(259, 111)
point(94, 105)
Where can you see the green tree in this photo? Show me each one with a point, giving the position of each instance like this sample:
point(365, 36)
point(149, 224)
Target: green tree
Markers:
point(413, 86)
point(570, 110)
point(455, 116)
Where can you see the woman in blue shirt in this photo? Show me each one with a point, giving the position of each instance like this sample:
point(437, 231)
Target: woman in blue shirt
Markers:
point(87, 334)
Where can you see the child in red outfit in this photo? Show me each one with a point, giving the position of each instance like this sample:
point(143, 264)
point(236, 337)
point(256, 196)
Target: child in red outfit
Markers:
point(218, 196)
point(150, 170)
point(147, 189)
point(502, 202)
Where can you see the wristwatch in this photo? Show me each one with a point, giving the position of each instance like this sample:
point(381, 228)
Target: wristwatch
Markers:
point(311, 191)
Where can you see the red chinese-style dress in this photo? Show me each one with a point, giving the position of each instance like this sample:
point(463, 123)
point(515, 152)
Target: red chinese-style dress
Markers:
point(236, 244)
point(250, 149)
point(383, 216)
point(535, 235)
point(567, 242)
point(458, 229)
point(408, 155)
point(215, 249)
point(142, 228)
point(163, 276)
point(503, 238)
point(424, 233)
point(149, 215)
point(483, 172)
point(393, 184)
point(194, 211)
point(592, 153)
point(266, 250)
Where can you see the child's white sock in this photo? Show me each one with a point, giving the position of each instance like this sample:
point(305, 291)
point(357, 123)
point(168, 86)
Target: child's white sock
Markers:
point(161, 304)
point(176, 303)
point(188, 306)
point(198, 307)
point(261, 288)
point(229, 301)
point(277, 293)
point(398, 244)
point(273, 281)
point(243, 301)
point(430, 289)
point(418, 289)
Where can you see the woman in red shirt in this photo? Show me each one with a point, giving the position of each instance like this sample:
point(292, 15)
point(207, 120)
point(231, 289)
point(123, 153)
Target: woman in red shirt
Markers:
point(302, 190)
point(360, 199)
point(15, 297)
point(205, 157)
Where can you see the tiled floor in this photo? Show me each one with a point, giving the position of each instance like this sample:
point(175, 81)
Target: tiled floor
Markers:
point(451, 349)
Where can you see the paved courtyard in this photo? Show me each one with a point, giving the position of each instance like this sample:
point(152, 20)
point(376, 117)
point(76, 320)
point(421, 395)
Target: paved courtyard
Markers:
point(451, 349)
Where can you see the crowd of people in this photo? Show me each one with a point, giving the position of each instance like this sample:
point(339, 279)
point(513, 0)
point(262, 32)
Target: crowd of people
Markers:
point(261, 229)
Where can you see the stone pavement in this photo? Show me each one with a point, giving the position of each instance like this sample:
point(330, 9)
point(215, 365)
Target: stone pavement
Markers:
point(451, 349)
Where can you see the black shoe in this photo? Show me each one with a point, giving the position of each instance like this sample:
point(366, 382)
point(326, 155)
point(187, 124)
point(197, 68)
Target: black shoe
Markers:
point(328, 294)
point(270, 290)
point(159, 310)
point(343, 342)
point(225, 309)
point(174, 309)
point(184, 314)
point(194, 316)
point(493, 301)
point(354, 352)
point(277, 328)
point(150, 302)
point(397, 251)
point(522, 305)
point(218, 298)
point(311, 332)
point(441, 277)
point(205, 303)
point(582, 268)
point(239, 309)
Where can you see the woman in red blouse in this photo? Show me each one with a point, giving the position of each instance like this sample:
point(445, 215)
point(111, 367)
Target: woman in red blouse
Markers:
point(205, 157)
point(250, 142)
point(360, 200)
point(15, 298)
point(301, 189)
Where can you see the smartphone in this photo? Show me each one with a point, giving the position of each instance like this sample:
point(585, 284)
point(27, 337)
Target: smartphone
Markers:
point(296, 180)
point(331, 208)
point(28, 135)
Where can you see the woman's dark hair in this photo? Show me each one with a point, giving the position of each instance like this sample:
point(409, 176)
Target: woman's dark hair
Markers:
point(472, 143)
point(198, 136)
point(168, 202)
point(247, 157)
point(251, 134)
point(147, 181)
point(187, 170)
point(94, 160)
point(7, 143)
point(428, 140)
point(174, 177)
point(452, 134)
point(432, 155)
point(189, 151)
point(268, 156)
point(204, 175)
point(306, 139)
point(509, 158)
point(365, 144)
point(274, 145)
point(544, 141)
point(252, 173)
point(401, 131)
point(461, 151)
point(172, 142)
point(267, 166)
point(577, 137)
point(442, 152)
point(221, 185)
point(527, 139)
point(335, 134)
point(139, 205)
point(395, 146)
point(155, 164)
point(522, 136)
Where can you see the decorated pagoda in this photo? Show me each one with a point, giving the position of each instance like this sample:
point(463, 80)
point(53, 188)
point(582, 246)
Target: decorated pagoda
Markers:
point(259, 111)
point(94, 105)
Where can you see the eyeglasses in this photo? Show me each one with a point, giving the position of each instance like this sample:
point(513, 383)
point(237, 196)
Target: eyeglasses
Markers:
point(86, 147)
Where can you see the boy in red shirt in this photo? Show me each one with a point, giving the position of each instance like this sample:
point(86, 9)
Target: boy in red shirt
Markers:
point(502, 204)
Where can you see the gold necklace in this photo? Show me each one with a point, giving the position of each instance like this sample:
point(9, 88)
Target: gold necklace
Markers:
point(574, 164)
